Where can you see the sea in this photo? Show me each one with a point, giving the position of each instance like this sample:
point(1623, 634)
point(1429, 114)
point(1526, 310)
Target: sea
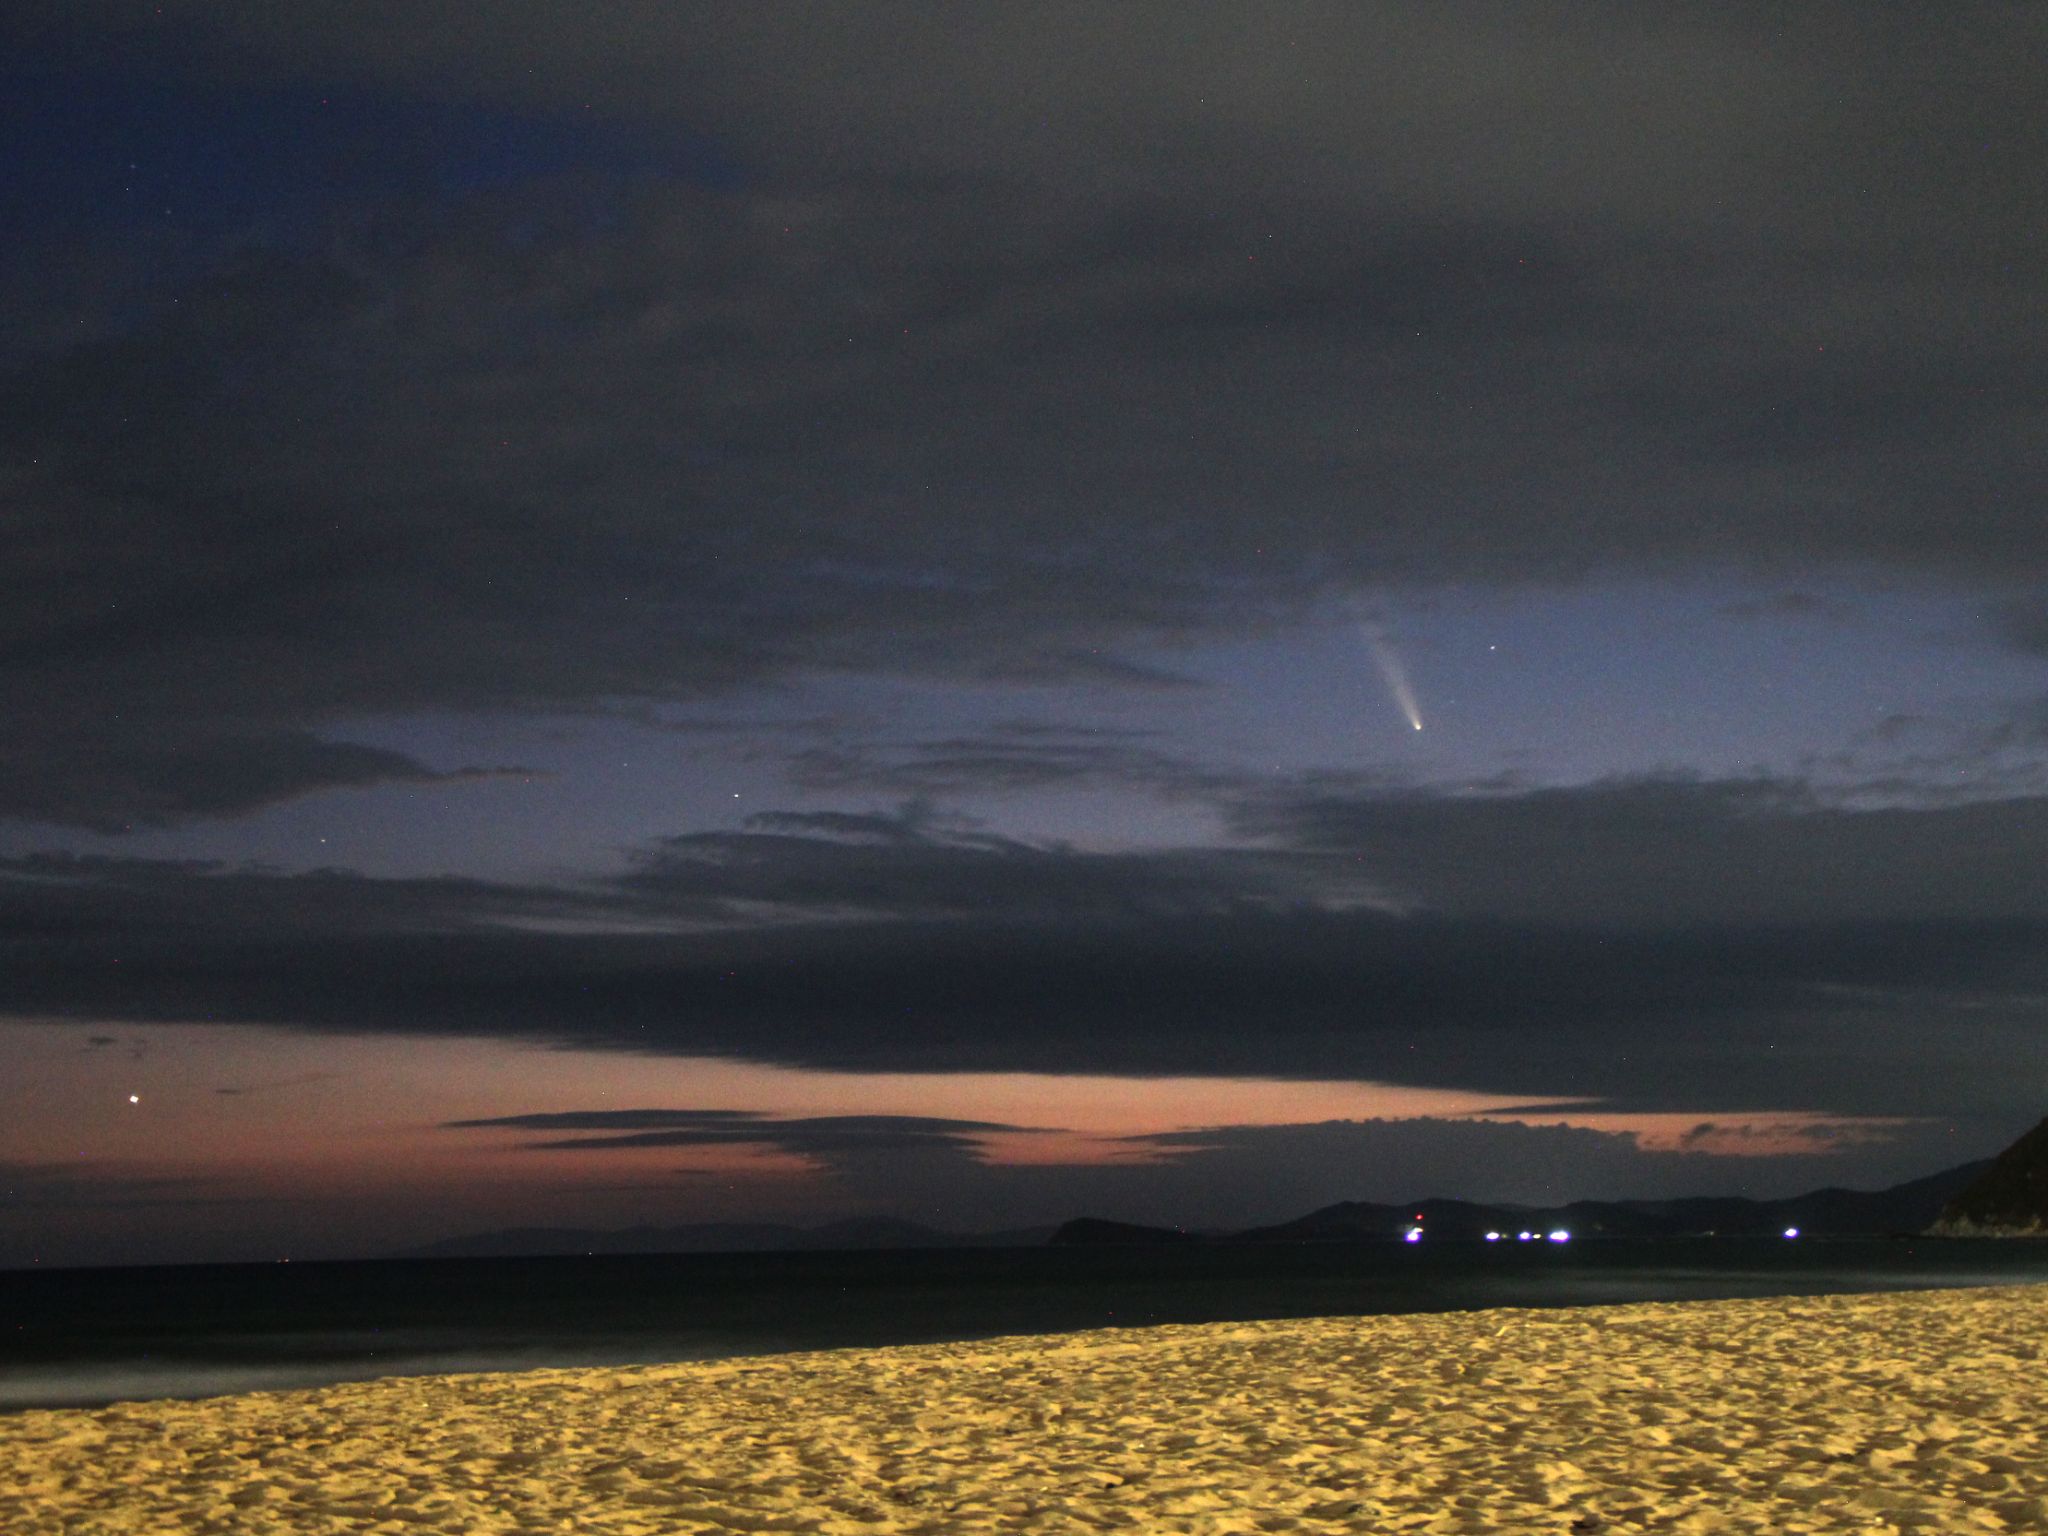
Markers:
point(89, 1337)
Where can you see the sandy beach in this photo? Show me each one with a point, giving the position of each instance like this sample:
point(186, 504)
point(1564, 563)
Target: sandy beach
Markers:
point(1921, 1411)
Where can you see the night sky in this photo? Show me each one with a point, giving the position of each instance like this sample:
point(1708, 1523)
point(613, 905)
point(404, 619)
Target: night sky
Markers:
point(660, 613)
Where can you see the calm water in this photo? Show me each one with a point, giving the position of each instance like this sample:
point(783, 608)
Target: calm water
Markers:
point(95, 1336)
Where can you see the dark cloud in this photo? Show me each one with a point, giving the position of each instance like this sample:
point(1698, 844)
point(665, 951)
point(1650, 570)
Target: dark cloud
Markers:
point(1921, 761)
point(53, 901)
point(616, 1120)
point(833, 1140)
point(1809, 957)
point(1263, 1169)
point(113, 781)
point(274, 1085)
point(1697, 853)
point(1016, 755)
point(913, 866)
point(1008, 345)
point(1608, 114)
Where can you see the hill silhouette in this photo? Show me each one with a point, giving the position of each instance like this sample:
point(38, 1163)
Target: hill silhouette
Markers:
point(1902, 1209)
point(853, 1235)
point(2010, 1198)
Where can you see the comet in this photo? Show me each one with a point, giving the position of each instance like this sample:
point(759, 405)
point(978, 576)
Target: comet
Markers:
point(1395, 675)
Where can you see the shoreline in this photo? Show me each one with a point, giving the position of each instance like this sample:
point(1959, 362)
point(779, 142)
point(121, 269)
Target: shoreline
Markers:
point(1896, 1410)
point(120, 1335)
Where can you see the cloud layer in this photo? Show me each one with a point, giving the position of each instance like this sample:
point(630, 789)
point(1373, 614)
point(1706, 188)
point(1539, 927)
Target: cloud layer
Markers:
point(833, 1140)
point(1820, 959)
point(992, 350)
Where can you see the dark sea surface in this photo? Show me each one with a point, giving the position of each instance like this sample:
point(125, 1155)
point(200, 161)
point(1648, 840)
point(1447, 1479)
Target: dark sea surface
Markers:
point(87, 1337)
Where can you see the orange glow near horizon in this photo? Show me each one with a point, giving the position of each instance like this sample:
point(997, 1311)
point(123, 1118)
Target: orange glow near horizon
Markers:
point(1749, 1133)
point(250, 1111)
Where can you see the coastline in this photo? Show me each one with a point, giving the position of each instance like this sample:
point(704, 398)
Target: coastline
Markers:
point(1899, 1411)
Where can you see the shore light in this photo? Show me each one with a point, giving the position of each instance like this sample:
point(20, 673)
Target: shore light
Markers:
point(1412, 1235)
point(1560, 1236)
point(1493, 1237)
point(1523, 1237)
point(1791, 1231)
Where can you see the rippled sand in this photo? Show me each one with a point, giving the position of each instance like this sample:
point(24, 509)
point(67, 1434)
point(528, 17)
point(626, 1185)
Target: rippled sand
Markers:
point(1916, 1412)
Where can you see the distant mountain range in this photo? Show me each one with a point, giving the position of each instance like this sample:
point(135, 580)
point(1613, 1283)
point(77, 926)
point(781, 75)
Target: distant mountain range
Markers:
point(1906, 1208)
point(721, 1237)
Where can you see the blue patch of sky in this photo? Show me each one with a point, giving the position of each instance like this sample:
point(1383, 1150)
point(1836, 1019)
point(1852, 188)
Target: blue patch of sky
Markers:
point(1556, 687)
point(1591, 682)
point(92, 152)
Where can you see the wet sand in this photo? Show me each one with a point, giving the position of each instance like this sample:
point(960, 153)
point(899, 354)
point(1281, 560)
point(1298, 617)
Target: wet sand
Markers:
point(1923, 1411)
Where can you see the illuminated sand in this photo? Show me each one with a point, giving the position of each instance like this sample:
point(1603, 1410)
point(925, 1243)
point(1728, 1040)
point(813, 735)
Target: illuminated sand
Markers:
point(1915, 1412)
